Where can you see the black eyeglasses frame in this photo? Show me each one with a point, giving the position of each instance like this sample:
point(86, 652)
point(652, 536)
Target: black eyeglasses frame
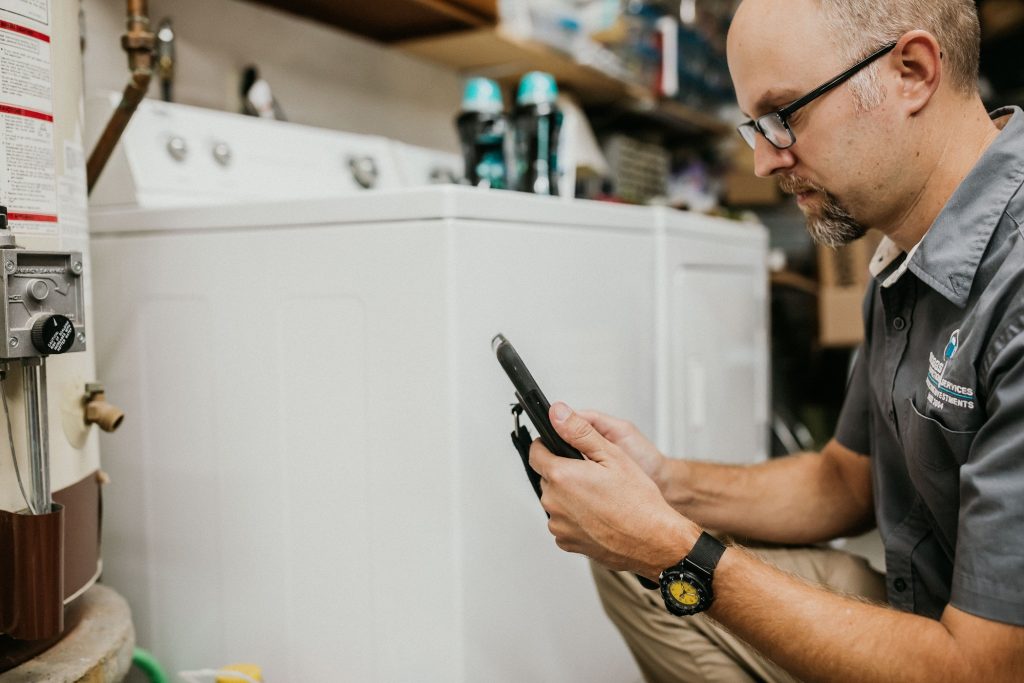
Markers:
point(783, 114)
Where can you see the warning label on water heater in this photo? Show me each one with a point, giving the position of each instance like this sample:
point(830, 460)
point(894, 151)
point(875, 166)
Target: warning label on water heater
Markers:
point(28, 173)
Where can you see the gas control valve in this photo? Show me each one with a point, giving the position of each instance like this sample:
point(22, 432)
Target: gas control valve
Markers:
point(44, 311)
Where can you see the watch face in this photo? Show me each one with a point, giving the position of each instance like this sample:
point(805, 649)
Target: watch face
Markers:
point(684, 592)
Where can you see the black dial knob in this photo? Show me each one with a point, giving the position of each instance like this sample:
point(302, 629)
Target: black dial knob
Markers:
point(52, 334)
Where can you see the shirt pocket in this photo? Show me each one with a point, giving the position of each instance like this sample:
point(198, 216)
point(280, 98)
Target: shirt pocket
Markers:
point(934, 455)
point(934, 446)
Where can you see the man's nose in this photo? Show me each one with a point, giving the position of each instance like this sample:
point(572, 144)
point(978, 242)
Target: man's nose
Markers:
point(768, 159)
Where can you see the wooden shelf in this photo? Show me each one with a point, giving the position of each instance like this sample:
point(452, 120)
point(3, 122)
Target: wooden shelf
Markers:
point(393, 20)
point(464, 35)
point(497, 54)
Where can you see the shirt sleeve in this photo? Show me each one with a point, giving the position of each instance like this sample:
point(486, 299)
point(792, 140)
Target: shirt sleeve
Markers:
point(988, 573)
point(853, 428)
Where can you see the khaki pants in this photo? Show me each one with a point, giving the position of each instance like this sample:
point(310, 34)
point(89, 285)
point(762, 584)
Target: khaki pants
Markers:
point(669, 648)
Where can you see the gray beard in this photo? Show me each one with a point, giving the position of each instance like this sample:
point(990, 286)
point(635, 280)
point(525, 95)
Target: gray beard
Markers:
point(833, 226)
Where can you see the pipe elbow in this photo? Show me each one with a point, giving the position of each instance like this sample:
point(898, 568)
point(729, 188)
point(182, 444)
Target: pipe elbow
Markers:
point(98, 412)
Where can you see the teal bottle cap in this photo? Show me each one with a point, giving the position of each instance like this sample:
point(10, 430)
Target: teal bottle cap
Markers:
point(482, 95)
point(537, 87)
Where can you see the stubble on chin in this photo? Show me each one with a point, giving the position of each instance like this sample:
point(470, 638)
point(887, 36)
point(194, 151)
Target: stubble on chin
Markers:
point(829, 223)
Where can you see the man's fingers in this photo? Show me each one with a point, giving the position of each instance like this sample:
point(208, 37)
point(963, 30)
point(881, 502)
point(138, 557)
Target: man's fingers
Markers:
point(577, 432)
point(540, 458)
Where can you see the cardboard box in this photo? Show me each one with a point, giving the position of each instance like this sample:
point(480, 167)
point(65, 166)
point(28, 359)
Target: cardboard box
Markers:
point(843, 278)
point(840, 323)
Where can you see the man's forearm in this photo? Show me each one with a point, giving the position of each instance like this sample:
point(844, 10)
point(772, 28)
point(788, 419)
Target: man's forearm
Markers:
point(805, 498)
point(821, 636)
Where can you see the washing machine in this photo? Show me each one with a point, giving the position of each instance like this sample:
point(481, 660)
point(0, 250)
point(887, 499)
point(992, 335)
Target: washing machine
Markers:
point(316, 471)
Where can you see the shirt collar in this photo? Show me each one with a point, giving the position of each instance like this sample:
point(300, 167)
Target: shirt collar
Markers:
point(948, 256)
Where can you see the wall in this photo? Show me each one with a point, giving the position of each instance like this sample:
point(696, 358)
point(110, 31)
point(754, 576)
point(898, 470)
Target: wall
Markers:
point(321, 76)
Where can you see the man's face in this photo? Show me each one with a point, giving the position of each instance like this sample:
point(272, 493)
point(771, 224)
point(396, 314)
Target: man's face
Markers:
point(779, 50)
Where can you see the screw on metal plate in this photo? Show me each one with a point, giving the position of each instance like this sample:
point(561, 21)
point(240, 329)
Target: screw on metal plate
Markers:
point(76, 267)
point(10, 266)
point(13, 342)
point(81, 337)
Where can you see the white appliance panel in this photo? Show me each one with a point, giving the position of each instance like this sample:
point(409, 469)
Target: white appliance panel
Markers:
point(178, 155)
point(714, 355)
point(296, 475)
point(577, 304)
point(714, 364)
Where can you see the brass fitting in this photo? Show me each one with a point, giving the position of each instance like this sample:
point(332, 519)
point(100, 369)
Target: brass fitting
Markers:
point(97, 411)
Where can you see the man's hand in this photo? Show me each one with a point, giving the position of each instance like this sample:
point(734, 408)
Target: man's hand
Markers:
point(626, 436)
point(607, 507)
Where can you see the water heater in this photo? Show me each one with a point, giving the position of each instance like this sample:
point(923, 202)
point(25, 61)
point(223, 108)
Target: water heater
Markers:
point(49, 458)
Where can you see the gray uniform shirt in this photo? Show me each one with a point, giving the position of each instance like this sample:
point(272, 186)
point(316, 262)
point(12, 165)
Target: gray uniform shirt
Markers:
point(936, 398)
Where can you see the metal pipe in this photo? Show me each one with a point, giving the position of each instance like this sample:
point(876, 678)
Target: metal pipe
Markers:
point(139, 42)
point(35, 429)
point(44, 428)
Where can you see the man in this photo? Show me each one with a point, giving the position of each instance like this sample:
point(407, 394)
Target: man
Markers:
point(929, 445)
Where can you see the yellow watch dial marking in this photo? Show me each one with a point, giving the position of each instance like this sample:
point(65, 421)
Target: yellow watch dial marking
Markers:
point(684, 593)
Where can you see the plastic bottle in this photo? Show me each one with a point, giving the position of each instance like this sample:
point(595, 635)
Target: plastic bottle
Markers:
point(536, 122)
point(249, 672)
point(482, 126)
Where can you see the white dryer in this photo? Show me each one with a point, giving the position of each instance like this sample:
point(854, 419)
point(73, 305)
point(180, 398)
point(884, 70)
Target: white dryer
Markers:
point(316, 472)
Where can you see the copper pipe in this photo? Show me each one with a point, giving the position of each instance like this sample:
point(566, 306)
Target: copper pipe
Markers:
point(98, 411)
point(139, 42)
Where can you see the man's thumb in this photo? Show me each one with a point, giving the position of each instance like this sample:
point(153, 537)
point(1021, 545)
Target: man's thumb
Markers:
point(577, 432)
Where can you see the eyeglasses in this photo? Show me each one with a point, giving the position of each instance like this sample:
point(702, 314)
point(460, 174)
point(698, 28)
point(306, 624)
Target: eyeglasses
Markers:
point(775, 126)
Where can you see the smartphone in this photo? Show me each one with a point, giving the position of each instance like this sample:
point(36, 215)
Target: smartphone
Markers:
point(530, 400)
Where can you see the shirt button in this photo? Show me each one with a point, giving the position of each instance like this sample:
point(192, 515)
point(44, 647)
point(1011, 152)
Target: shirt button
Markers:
point(899, 323)
point(900, 585)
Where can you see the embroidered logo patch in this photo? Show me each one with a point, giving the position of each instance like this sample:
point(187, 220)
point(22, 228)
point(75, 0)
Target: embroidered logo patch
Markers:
point(941, 391)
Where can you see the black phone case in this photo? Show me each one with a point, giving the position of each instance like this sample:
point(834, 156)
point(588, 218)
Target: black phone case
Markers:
point(533, 401)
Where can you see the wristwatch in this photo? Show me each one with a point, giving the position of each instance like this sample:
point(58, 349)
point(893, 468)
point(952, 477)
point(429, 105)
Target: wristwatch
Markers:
point(686, 586)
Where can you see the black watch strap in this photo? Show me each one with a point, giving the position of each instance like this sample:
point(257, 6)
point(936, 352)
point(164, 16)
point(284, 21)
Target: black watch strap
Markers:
point(706, 552)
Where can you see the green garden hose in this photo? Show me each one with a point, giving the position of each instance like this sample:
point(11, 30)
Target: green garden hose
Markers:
point(147, 663)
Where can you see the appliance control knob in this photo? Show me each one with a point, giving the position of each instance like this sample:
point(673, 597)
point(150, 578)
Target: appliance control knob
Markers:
point(439, 175)
point(177, 148)
point(53, 334)
point(364, 171)
point(222, 153)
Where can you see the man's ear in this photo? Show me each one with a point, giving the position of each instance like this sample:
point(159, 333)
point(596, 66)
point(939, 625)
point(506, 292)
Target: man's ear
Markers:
point(918, 60)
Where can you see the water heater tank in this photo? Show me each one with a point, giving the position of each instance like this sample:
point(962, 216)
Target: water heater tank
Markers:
point(43, 187)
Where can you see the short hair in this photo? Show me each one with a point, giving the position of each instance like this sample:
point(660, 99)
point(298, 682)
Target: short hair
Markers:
point(859, 27)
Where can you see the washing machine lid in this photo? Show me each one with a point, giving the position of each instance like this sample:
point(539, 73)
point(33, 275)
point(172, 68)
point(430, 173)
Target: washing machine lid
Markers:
point(425, 204)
